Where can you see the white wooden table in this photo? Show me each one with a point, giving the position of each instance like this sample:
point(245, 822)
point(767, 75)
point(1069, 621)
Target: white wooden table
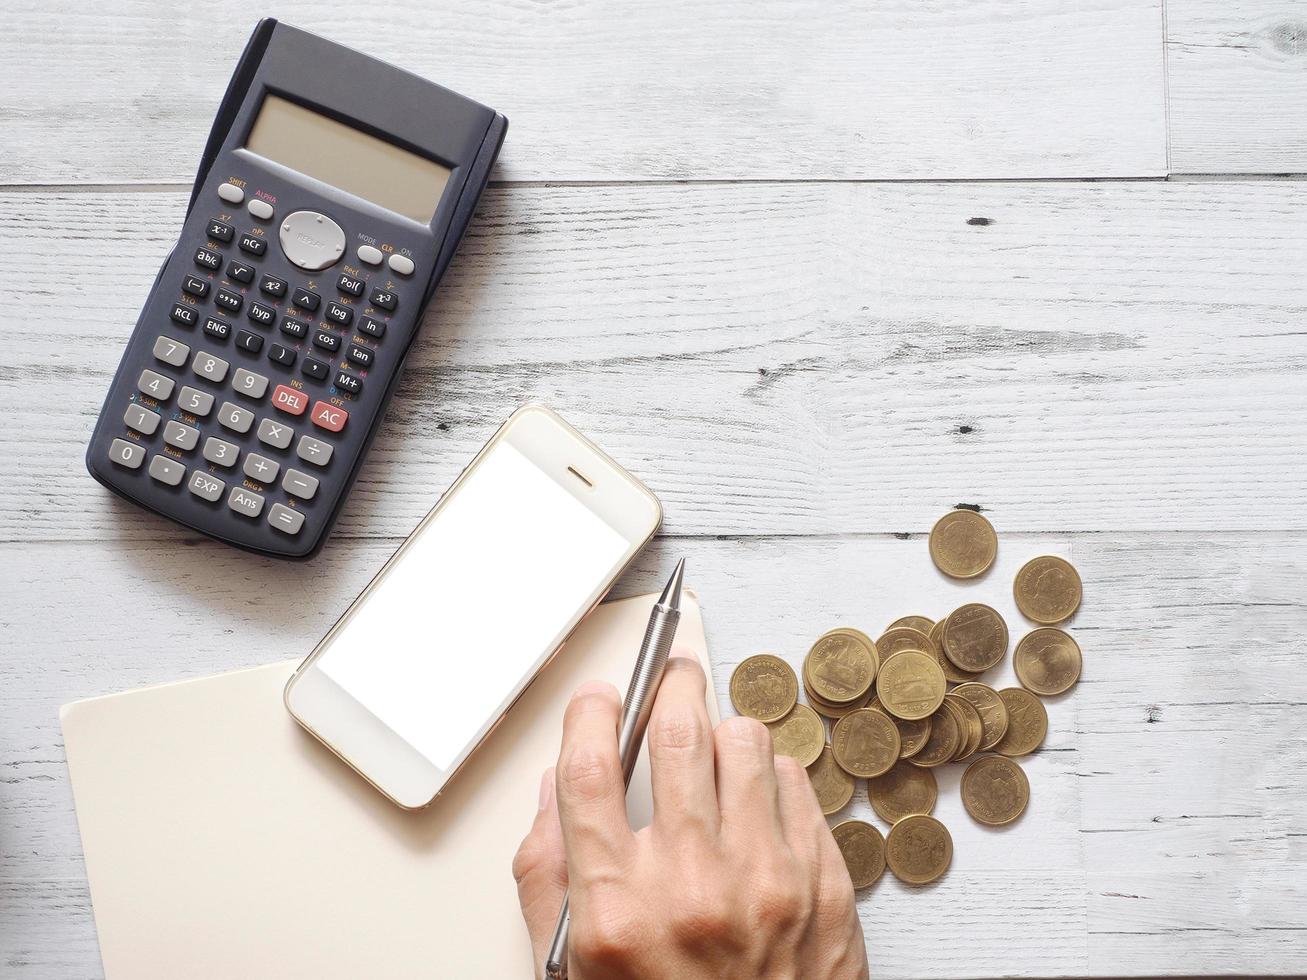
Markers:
point(817, 271)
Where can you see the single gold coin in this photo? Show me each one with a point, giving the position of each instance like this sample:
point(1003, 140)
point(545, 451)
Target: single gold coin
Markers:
point(800, 735)
point(912, 734)
point(833, 786)
point(833, 711)
point(1027, 722)
point(975, 637)
point(896, 639)
point(919, 849)
point(865, 743)
point(764, 687)
point(1047, 661)
point(963, 544)
point(995, 790)
point(903, 791)
point(1047, 589)
point(919, 623)
point(864, 851)
point(841, 666)
point(993, 713)
point(911, 685)
point(951, 672)
point(972, 728)
point(942, 743)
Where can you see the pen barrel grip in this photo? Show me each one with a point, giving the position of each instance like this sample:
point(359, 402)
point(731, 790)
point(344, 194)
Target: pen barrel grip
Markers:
point(644, 685)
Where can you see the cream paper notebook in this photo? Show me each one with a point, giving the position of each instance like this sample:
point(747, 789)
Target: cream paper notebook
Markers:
point(223, 843)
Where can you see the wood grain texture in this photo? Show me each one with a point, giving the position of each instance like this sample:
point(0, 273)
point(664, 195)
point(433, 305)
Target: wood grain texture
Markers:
point(1164, 834)
point(1126, 356)
point(679, 89)
point(1237, 86)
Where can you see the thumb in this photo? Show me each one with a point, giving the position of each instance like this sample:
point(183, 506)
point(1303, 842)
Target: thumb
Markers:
point(540, 867)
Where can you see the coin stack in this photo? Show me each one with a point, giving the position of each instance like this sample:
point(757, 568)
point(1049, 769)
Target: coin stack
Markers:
point(912, 700)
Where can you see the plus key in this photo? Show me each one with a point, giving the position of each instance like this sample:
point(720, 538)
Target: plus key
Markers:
point(329, 417)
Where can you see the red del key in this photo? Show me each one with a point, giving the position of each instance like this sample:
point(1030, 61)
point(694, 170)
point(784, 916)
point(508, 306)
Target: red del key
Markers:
point(289, 400)
point(329, 417)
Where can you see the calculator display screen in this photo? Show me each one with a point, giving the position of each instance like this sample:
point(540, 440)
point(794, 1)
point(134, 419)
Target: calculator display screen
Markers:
point(443, 641)
point(344, 157)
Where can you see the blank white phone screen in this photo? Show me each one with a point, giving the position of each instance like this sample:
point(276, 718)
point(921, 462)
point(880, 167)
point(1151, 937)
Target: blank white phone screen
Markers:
point(443, 642)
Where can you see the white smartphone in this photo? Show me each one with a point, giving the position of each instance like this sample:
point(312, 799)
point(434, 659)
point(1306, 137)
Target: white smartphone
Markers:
point(433, 653)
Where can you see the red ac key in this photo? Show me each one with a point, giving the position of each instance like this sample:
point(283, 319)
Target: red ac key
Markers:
point(289, 400)
point(329, 417)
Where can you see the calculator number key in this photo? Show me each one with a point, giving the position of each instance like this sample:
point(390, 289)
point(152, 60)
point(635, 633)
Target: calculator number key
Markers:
point(329, 417)
point(182, 436)
point(253, 244)
point(141, 419)
point(208, 366)
point(250, 384)
point(208, 259)
point(171, 352)
point(193, 400)
point(155, 385)
point(127, 454)
point(235, 418)
point(219, 452)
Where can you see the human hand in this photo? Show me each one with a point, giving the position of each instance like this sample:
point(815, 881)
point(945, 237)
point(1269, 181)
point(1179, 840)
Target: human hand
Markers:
point(736, 877)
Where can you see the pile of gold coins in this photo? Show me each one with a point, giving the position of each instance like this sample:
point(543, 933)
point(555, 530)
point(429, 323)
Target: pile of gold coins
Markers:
point(912, 700)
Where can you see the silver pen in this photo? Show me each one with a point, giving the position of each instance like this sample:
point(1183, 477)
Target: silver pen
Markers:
point(649, 666)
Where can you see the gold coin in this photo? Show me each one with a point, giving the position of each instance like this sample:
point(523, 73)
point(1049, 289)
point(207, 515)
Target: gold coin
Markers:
point(951, 672)
point(973, 729)
point(960, 723)
point(864, 851)
point(800, 735)
point(1047, 589)
point(963, 544)
point(975, 637)
point(995, 790)
point(764, 687)
point(1047, 661)
point(1027, 722)
point(911, 685)
point(840, 667)
point(919, 623)
point(865, 743)
point(919, 849)
point(833, 711)
point(943, 740)
point(896, 639)
point(833, 786)
point(912, 734)
point(901, 792)
point(993, 713)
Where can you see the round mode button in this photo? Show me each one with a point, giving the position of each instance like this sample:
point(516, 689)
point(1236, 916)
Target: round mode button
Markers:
point(312, 241)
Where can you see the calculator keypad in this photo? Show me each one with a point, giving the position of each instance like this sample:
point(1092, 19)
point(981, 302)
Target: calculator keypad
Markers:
point(257, 360)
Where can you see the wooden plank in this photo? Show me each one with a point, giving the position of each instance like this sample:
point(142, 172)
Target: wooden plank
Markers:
point(1164, 831)
point(675, 90)
point(1126, 356)
point(1236, 86)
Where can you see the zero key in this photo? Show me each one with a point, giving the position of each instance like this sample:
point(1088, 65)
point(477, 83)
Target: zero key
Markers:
point(289, 400)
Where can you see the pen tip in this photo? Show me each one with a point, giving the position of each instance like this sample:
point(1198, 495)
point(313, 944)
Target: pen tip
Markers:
point(671, 596)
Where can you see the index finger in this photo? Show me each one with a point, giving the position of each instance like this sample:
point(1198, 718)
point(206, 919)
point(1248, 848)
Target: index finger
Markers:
point(591, 792)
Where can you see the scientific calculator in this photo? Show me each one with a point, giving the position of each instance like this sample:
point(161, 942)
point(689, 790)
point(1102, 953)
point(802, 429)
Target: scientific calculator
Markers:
point(331, 195)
